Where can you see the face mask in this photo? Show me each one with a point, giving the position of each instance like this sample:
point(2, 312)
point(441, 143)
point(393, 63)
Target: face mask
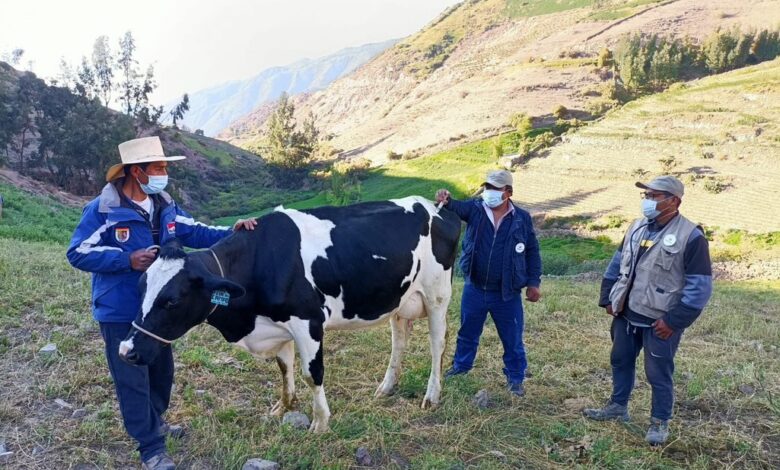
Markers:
point(493, 198)
point(155, 185)
point(649, 208)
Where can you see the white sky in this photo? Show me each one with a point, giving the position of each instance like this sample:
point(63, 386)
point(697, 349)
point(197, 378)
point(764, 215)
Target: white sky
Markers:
point(199, 43)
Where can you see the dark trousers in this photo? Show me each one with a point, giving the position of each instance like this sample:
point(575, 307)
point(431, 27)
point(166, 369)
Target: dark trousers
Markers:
point(508, 317)
point(144, 392)
point(627, 341)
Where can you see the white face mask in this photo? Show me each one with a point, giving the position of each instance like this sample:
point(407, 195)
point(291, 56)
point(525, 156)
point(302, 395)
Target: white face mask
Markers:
point(493, 197)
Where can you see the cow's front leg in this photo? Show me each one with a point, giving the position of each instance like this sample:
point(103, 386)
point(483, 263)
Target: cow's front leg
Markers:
point(437, 325)
point(285, 358)
point(400, 329)
point(308, 337)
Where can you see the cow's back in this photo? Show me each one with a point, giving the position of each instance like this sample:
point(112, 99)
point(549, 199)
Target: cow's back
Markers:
point(359, 261)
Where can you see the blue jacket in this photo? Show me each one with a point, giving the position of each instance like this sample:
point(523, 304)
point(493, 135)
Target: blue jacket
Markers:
point(110, 230)
point(522, 263)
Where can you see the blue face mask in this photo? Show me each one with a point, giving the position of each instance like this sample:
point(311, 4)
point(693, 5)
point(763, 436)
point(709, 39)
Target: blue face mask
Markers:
point(650, 208)
point(492, 197)
point(155, 185)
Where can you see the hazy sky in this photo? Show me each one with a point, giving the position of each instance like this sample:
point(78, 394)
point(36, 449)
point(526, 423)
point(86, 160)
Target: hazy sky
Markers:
point(199, 43)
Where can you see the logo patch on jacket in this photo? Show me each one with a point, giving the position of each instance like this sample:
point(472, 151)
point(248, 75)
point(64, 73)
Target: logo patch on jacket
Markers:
point(122, 234)
point(171, 228)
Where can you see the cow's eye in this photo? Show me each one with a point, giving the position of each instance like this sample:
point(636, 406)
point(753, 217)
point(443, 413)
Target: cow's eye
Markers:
point(173, 303)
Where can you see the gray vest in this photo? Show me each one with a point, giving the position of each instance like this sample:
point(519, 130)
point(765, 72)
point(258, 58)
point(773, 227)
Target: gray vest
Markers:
point(659, 276)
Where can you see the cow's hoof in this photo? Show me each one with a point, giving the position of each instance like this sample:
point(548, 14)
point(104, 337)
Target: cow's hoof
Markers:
point(319, 427)
point(278, 409)
point(384, 390)
point(429, 404)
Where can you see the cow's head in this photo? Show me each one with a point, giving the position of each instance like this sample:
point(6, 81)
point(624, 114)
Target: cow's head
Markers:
point(177, 292)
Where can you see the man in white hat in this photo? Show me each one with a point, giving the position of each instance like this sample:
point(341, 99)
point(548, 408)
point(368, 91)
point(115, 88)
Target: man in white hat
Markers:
point(500, 258)
point(656, 286)
point(116, 241)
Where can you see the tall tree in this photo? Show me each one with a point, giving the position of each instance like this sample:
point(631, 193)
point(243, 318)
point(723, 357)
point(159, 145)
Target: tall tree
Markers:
point(102, 65)
point(178, 111)
point(23, 125)
point(129, 73)
point(85, 83)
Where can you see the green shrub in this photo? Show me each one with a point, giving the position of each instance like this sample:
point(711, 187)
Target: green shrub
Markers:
point(557, 264)
point(715, 185)
point(522, 122)
point(605, 58)
point(560, 111)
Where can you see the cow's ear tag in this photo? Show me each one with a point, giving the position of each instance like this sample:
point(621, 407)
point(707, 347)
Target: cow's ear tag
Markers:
point(220, 297)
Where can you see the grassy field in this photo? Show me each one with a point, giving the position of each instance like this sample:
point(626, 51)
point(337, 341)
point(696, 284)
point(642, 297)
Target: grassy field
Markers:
point(727, 385)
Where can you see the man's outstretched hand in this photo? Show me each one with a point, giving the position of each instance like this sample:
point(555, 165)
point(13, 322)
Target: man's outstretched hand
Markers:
point(245, 224)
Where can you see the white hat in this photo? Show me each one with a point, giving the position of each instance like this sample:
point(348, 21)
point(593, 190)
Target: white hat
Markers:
point(143, 150)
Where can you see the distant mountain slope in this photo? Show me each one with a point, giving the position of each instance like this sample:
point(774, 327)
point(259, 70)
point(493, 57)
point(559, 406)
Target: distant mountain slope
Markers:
point(463, 75)
point(213, 109)
point(719, 135)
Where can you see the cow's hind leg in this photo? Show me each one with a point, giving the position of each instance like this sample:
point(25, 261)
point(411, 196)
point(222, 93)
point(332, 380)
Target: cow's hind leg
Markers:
point(286, 360)
point(437, 324)
point(400, 328)
point(308, 338)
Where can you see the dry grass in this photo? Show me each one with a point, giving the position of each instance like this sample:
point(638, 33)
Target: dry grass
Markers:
point(223, 394)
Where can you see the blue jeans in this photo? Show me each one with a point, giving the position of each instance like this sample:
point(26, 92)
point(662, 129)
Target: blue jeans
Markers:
point(144, 392)
point(627, 341)
point(508, 317)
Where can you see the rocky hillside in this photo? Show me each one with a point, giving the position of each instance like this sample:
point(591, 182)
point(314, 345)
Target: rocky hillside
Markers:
point(481, 61)
point(87, 134)
point(213, 109)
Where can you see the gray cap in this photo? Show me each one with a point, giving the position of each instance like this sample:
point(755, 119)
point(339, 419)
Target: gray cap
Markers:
point(499, 178)
point(667, 183)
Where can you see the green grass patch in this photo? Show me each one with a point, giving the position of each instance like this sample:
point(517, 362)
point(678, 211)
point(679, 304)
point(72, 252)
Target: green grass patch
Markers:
point(218, 157)
point(35, 218)
point(528, 8)
point(574, 255)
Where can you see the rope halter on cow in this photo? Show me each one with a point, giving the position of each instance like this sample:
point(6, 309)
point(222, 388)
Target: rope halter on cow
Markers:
point(167, 341)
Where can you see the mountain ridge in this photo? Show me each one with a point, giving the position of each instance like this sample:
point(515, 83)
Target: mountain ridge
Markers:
point(214, 108)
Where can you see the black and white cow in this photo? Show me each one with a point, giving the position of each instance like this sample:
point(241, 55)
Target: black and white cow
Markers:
point(300, 273)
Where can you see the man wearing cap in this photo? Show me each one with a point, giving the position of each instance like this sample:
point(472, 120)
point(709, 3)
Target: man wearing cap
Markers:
point(500, 257)
point(116, 241)
point(656, 285)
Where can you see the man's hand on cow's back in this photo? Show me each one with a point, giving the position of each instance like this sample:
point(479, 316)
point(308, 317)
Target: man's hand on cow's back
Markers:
point(245, 224)
point(140, 260)
point(442, 195)
point(533, 294)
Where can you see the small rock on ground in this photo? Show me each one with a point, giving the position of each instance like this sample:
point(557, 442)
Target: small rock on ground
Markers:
point(482, 399)
point(48, 350)
point(363, 457)
point(296, 419)
point(747, 389)
point(79, 413)
point(260, 464)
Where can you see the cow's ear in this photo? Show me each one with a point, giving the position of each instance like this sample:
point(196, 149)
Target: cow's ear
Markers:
point(218, 283)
